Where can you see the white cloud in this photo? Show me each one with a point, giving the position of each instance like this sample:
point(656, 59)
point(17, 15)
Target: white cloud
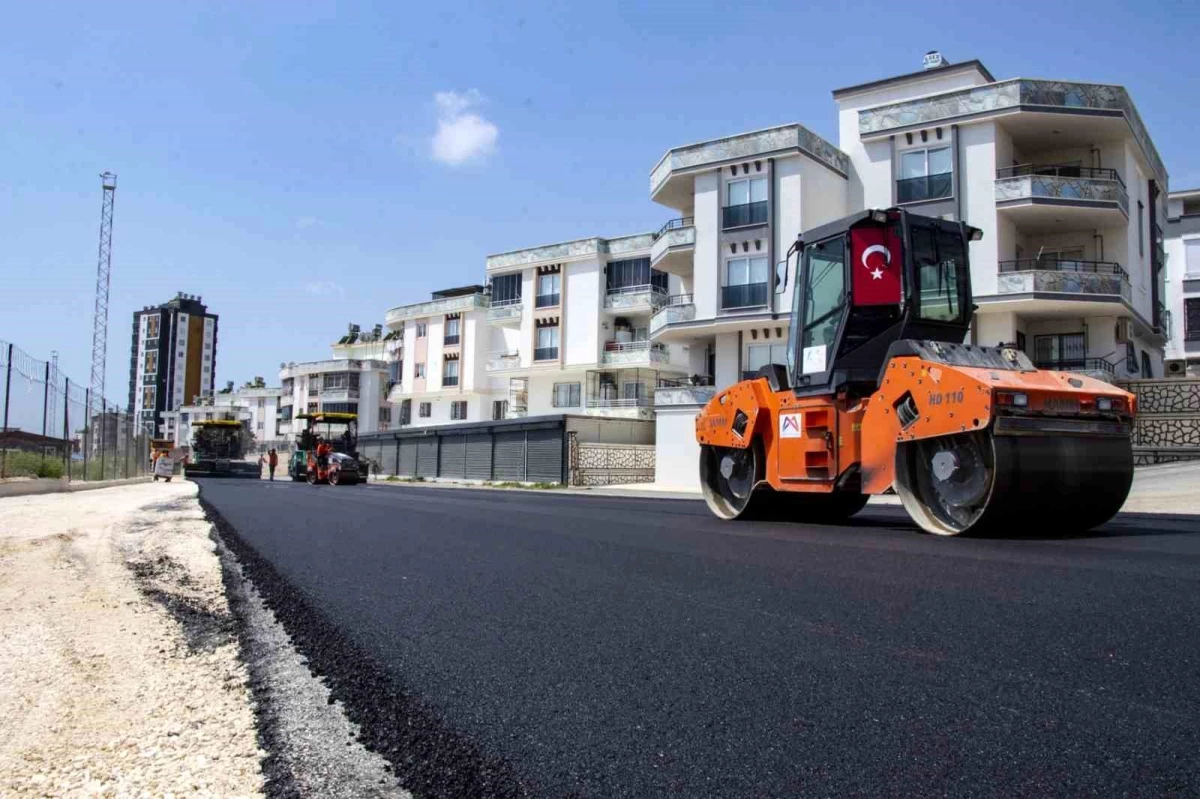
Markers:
point(325, 288)
point(462, 135)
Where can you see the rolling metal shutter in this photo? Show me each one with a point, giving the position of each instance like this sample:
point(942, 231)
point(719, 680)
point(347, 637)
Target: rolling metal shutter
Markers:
point(509, 457)
point(479, 456)
point(389, 456)
point(408, 457)
point(427, 456)
point(453, 454)
point(370, 452)
point(544, 463)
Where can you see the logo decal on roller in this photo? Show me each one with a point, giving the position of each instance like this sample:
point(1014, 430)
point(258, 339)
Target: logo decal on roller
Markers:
point(791, 425)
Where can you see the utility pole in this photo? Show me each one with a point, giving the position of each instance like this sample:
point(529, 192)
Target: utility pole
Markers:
point(108, 183)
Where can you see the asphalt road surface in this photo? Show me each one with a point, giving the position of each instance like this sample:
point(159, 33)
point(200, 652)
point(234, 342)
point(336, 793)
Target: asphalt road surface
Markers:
point(584, 646)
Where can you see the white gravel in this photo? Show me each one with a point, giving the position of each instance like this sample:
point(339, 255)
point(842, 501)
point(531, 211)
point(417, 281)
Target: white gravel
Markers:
point(119, 669)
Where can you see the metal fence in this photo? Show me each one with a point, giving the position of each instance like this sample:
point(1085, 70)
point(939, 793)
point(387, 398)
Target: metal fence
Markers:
point(52, 427)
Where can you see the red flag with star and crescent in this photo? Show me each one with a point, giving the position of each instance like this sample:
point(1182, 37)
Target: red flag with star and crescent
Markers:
point(876, 266)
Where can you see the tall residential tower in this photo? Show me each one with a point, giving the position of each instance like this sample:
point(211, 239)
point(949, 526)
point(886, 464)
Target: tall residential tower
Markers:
point(173, 358)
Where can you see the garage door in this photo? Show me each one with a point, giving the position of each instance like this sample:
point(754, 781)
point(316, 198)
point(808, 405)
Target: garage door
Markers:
point(479, 456)
point(509, 456)
point(408, 457)
point(427, 456)
point(453, 454)
point(545, 456)
point(389, 454)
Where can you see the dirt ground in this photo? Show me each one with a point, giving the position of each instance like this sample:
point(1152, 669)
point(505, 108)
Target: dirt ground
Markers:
point(119, 670)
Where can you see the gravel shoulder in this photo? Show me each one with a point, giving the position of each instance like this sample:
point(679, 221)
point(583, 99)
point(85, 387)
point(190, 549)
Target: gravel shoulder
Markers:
point(119, 663)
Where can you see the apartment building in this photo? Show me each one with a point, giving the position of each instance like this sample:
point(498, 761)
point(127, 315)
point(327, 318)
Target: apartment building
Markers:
point(343, 385)
point(570, 329)
point(259, 405)
point(440, 376)
point(1183, 282)
point(173, 358)
point(1066, 184)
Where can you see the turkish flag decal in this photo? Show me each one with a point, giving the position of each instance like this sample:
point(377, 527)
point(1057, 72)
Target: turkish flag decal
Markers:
point(876, 266)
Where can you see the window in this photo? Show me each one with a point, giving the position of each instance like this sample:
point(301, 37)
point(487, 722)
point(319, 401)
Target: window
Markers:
point(151, 362)
point(940, 261)
point(506, 289)
point(425, 410)
point(260, 425)
point(1141, 223)
point(148, 394)
point(745, 203)
point(633, 390)
point(385, 413)
point(634, 273)
point(760, 355)
point(406, 411)
point(499, 410)
point(548, 294)
point(566, 395)
point(419, 370)
point(312, 407)
point(1066, 351)
point(745, 283)
point(458, 410)
point(1191, 258)
point(1191, 318)
point(262, 403)
point(924, 175)
point(1147, 367)
point(451, 331)
point(340, 407)
point(547, 344)
point(450, 373)
point(152, 326)
point(824, 299)
point(420, 330)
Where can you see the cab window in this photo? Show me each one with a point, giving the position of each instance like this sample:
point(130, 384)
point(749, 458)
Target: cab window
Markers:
point(823, 296)
point(940, 261)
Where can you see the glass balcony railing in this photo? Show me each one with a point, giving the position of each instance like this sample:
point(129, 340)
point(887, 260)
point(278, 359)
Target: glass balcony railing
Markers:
point(547, 300)
point(451, 340)
point(742, 215)
point(926, 187)
point(747, 295)
point(545, 354)
point(1059, 171)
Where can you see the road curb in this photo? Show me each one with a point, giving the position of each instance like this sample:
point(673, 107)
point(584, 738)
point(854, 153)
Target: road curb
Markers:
point(28, 488)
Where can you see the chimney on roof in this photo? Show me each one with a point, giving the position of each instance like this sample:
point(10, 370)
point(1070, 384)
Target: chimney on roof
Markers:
point(934, 59)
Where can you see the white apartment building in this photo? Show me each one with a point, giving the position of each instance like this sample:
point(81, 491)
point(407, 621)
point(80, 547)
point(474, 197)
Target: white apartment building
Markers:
point(570, 329)
point(343, 385)
point(1062, 178)
point(257, 405)
point(440, 376)
point(1183, 282)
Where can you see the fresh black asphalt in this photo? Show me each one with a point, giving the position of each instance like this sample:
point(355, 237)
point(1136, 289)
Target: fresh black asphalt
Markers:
point(542, 644)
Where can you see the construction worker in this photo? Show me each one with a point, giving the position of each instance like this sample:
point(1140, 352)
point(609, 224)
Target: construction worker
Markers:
point(272, 462)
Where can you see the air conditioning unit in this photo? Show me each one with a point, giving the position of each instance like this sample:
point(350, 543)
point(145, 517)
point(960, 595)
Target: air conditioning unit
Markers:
point(1175, 367)
point(1124, 331)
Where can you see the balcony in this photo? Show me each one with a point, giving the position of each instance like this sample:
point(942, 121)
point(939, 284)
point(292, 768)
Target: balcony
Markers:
point(677, 308)
point(1061, 197)
point(674, 246)
point(451, 341)
point(744, 215)
point(505, 312)
point(632, 353)
point(924, 188)
point(747, 295)
point(503, 361)
point(696, 390)
point(547, 300)
point(545, 354)
point(1030, 275)
point(338, 394)
point(449, 381)
point(1092, 367)
point(633, 298)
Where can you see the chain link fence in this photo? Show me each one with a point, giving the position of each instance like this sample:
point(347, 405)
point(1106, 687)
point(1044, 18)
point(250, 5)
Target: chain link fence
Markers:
point(53, 428)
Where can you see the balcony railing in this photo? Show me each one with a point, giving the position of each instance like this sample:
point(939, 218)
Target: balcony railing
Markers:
point(1078, 365)
point(547, 300)
point(622, 402)
point(1061, 265)
point(625, 352)
point(505, 310)
point(545, 354)
point(925, 187)
point(450, 341)
point(634, 296)
point(1191, 335)
point(450, 381)
point(747, 295)
point(743, 215)
point(1059, 188)
point(1059, 171)
point(675, 224)
point(503, 360)
point(676, 308)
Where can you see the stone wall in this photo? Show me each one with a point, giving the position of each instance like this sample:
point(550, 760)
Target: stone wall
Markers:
point(1168, 419)
point(610, 464)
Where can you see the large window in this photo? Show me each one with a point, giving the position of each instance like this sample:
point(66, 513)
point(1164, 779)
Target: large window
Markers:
point(421, 328)
point(425, 410)
point(451, 331)
point(824, 304)
point(760, 355)
point(339, 407)
point(340, 381)
point(450, 373)
point(506, 289)
point(1191, 258)
point(925, 175)
point(151, 365)
point(458, 410)
point(745, 283)
point(1191, 318)
point(548, 294)
point(635, 273)
point(406, 411)
point(547, 344)
point(1063, 351)
point(152, 326)
point(499, 410)
point(941, 264)
point(745, 202)
point(419, 370)
point(566, 395)
point(148, 394)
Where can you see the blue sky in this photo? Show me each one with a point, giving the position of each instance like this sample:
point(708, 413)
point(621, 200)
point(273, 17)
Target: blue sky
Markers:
point(305, 165)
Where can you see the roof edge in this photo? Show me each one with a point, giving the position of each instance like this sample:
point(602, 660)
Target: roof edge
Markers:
point(973, 64)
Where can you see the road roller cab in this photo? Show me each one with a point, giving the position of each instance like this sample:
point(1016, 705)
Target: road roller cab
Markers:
point(879, 392)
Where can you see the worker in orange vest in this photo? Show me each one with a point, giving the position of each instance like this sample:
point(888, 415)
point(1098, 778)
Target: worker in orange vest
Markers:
point(272, 462)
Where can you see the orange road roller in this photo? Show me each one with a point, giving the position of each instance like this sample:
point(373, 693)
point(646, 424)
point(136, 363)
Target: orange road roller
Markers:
point(880, 392)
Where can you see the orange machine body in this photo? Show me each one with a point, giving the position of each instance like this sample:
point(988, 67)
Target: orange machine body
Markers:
point(824, 443)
